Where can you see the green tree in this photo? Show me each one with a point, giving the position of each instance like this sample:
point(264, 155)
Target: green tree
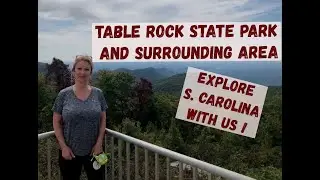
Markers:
point(46, 96)
point(58, 74)
point(118, 90)
point(165, 108)
point(265, 173)
point(173, 139)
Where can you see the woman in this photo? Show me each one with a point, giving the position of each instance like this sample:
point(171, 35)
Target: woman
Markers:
point(79, 122)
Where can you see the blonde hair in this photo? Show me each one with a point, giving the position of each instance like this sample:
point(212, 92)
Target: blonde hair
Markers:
point(79, 58)
point(85, 58)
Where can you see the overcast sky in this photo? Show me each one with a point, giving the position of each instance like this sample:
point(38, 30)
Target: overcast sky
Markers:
point(65, 25)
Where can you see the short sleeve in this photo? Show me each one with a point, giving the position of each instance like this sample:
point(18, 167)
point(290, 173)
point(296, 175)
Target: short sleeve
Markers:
point(103, 101)
point(58, 103)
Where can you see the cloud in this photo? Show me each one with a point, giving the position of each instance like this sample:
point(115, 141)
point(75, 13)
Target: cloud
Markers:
point(65, 25)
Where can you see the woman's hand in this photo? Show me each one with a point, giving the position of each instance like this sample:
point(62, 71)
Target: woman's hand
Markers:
point(67, 153)
point(97, 149)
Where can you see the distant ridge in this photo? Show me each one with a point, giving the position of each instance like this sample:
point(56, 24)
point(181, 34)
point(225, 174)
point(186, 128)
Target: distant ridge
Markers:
point(268, 74)
point(174, 84)
point(149, 73)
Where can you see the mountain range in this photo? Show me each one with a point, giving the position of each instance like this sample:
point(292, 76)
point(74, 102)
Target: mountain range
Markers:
point(264, 73)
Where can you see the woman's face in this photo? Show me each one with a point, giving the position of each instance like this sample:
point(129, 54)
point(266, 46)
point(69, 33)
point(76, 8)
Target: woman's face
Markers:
point(82, 72)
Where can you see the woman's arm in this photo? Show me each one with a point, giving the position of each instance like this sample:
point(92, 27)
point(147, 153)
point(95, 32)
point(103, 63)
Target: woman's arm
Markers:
point(57, 119)
point(102, 129)
point(103, 118)
point(57, 127)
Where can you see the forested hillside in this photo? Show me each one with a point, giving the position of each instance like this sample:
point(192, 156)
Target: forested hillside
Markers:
point(172, 85)
point(146, 111)
point(150, 73)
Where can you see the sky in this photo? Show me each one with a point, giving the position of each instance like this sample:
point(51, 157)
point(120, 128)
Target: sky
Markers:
point(65, 25)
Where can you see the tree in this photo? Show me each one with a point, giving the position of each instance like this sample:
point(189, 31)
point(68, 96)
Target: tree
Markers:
point(126, 97)
point(165, 108)
point(144, 91)
point(46, 95)
point(145, 110)
point(58, 75)
point(118, 91)
point(173, 139)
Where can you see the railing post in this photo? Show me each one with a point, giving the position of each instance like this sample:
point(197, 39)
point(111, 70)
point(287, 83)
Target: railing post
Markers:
point(194, 173)
point(60, 175)
point(38, 171)
point(105, 147)
point(168, 168)
point(49, 158)
point(128, 160)
point(112, 158)
point(120, 158)
point(180, 170)
point(136, 163)
point(146, 165)
point(156, 158)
